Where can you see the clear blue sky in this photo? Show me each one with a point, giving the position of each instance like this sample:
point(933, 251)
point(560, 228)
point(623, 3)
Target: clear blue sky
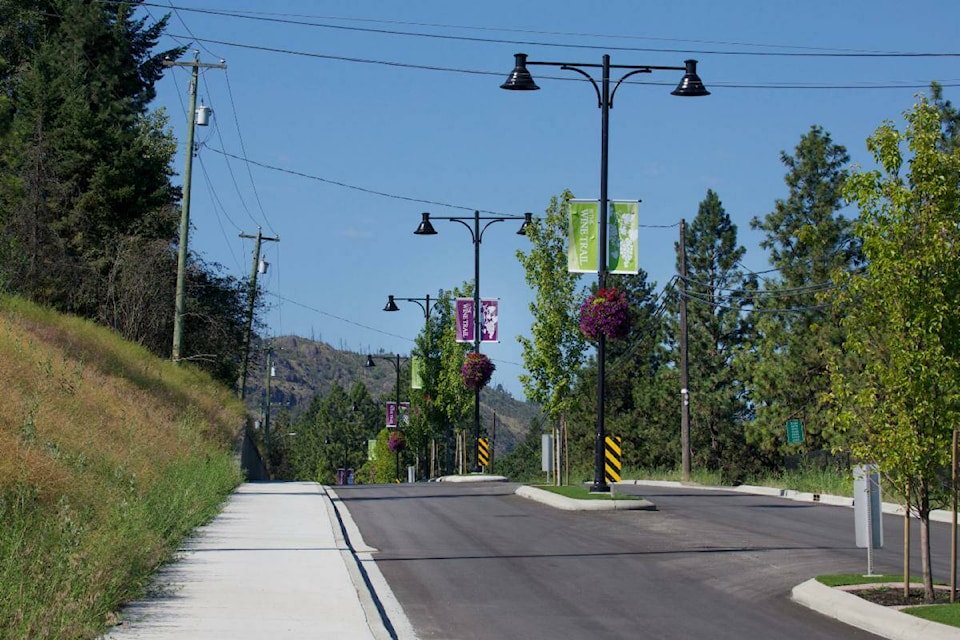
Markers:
point(402, 98)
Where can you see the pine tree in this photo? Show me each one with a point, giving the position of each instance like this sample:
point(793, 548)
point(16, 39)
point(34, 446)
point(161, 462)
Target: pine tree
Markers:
point(807, 239)
point(93, 166)
point(719, 295)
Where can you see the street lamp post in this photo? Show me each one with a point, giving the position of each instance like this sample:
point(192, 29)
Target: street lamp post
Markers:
point(476, 235)
point(396, 366)
point(690, 86)
point(424, 304)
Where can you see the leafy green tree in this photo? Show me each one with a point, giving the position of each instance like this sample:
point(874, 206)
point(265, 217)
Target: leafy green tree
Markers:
point(522, 464)
point(807, 239)
point(444, 404)
point(382, 468)
point(719, 294)
point(553, 352)
point(901, 401)
point(429, 420)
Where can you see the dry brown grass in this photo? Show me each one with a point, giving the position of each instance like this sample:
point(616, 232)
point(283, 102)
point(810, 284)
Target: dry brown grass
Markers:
point(108, 456)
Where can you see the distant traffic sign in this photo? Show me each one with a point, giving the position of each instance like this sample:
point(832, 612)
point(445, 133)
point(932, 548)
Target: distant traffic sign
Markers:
point(794, 431)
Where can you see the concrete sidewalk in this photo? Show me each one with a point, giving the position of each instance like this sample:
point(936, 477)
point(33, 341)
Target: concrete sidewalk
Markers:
point(274, 564)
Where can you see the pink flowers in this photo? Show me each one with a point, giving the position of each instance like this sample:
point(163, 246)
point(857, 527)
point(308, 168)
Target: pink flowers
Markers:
point(605, 313)
point(396, 442)
point(477, 370)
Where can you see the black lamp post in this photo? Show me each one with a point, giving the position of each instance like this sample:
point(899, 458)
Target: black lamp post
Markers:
point(476, 234)
point(396, 365)
point(690, 86)
point(423, 303)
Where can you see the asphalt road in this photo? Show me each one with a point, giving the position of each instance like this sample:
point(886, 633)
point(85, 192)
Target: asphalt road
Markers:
point(476, 561)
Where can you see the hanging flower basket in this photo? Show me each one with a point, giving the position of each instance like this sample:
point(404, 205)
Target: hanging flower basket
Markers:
point(605, 313)
point(477, 370)
point(396, 442)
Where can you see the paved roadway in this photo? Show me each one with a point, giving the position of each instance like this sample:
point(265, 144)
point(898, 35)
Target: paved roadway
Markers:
point(477, 561)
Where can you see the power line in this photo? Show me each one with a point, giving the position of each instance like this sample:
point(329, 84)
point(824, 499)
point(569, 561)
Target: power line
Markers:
point(809, 53)
point(340, 318)
point(499, 74)
point(748, 293)
point(363, 326)
point(353, 186)
point(243, 149)
point(717, 305)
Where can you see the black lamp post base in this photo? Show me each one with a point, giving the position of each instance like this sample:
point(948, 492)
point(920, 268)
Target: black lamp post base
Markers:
point(599, 487)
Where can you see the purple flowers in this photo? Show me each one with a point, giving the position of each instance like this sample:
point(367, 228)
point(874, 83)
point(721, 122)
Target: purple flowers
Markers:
point(396, 442)
point(477, 370)
point(605, 313)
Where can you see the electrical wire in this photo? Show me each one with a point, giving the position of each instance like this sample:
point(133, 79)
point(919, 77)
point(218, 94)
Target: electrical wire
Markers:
point(233, 176)
point(748, 293)
point(499, 74)
point(713, 303)
point(568, 45)
point(355, 187)
point(243, 149)
point(218, 209)
point(176, 11)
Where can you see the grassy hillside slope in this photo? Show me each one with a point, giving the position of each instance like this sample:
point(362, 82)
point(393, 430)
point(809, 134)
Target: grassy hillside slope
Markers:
point(109, 457)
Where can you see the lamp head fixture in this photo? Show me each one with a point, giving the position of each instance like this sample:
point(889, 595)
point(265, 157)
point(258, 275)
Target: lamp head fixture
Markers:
point(691, 86)
point(425, 228)
point(520, 78)
point(391, 305)
point(527, 222)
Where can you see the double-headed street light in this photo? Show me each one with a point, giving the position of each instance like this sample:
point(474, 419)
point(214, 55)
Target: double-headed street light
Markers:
point(423, 303)
point(396, 365)
point(690, 86)
point(476, 234)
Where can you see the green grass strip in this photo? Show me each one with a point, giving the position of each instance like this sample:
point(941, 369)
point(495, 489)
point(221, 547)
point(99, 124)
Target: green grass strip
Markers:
point(942, 613)
point(580, 492)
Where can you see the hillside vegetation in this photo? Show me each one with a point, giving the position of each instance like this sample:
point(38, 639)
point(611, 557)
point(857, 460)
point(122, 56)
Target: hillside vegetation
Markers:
point(305, 368)
point(109, 457)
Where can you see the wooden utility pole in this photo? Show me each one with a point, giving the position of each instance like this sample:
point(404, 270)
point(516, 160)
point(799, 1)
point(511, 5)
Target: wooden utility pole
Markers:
point(180, 305)
point(684, 388)
point(251, 300)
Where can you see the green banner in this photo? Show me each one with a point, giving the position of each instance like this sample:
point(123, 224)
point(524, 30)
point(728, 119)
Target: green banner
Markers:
point(416, 379)
point(623, 236)
point(582, 236)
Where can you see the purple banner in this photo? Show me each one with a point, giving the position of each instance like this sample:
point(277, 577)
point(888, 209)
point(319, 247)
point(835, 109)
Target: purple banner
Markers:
point(490, 321)
point(391, 414)
point(465, 320)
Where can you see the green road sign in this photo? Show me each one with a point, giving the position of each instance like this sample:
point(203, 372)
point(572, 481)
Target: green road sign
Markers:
point(794, 431)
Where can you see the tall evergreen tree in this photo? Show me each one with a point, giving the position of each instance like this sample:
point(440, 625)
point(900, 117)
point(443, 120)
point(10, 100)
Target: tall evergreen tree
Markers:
point(92, 167)
point(719, 295)
point(807, 239)
point(88, 211)
point(949, 118)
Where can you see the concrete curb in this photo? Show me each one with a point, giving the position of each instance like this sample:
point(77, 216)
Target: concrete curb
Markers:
point(473, 477)
point(939, 515)
point(875, 618)
point(379, 603)
point(571, 504)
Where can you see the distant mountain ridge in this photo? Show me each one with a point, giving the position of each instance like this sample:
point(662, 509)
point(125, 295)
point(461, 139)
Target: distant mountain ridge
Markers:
point(303, 368)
